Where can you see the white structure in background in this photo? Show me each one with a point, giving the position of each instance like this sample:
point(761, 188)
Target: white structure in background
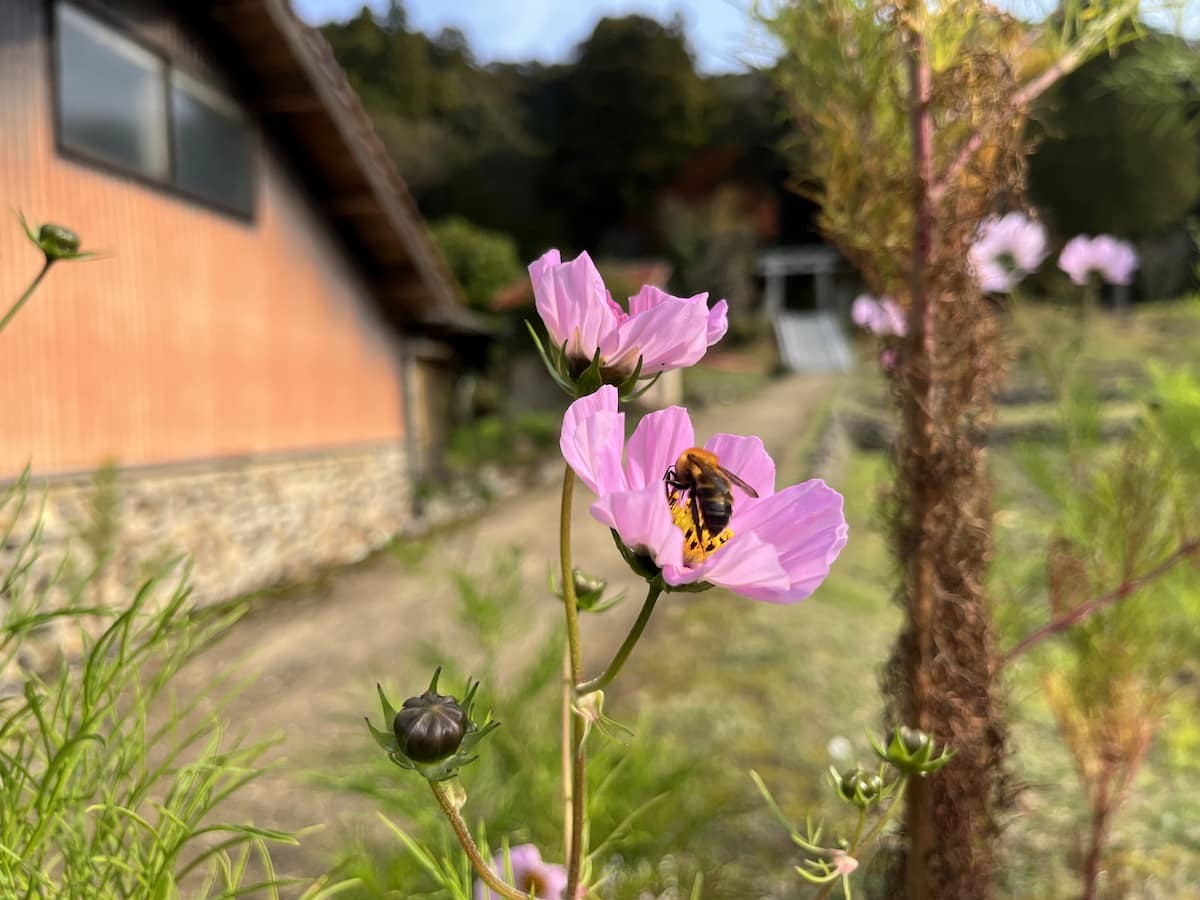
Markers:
point(810, 341)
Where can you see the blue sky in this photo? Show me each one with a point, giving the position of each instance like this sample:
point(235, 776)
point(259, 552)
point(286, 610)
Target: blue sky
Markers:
point(548, 30)
point(720, 31)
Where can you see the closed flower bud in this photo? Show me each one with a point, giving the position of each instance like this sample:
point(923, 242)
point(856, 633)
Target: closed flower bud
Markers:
point(913, 752)
point(913, 739)
point(57, 242)
point(432, 734)
point(859, 787)
point(430, 727)
point(588, 589)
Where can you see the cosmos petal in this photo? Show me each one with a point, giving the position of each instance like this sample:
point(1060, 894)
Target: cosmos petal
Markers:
point(744, 456)
point(527, 869)
point(655, 445)
point(718, 321)
point(593, 432)
point(669, 335)
point(643, 520)
point(745, 562)
point(572, 302)
point(806, 525)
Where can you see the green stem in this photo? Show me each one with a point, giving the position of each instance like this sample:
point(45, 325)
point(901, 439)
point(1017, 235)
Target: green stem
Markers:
point(883, 820)
point(16, 307)
point(862, 820)
point(568, 717)
point(579, 787)
point(468, 844)
point(578, 782)
point(631, 640)
point(568, 576)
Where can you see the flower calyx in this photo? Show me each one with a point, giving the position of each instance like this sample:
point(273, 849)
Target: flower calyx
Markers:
point(642, 564)
point(433, 734)
point(912, 751)
point(580, 377)
point(55, 241)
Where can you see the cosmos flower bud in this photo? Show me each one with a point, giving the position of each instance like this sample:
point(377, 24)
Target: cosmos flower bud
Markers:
point(588, 589)
point(430, 727)
point(57, 242)
point(913, 752)
point(432, 733)
point(589, 592)
point(857, 786)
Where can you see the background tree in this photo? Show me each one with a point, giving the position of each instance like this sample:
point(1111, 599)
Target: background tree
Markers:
point(482, 261)
point(632, 111)
point(1117, 144)
point(910, 116)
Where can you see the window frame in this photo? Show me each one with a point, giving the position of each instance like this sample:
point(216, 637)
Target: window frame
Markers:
point(166, 68)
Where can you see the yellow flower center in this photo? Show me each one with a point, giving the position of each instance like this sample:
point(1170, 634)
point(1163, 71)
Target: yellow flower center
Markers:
point(698, 543)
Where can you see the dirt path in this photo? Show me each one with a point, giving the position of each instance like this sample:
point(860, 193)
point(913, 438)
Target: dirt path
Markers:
point(317, 653)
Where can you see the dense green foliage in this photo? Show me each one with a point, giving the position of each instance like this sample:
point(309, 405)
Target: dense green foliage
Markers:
point(1118, 142)
point(582, 155)
point(482, 261)
point(112, 783)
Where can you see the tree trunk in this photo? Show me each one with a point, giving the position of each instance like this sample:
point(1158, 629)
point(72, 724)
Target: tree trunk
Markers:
point(941, 675)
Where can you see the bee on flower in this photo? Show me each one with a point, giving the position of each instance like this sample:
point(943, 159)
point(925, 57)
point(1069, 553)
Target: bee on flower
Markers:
point(775, 546)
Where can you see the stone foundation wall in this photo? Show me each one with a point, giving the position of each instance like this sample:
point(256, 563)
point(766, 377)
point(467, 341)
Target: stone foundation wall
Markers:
point(246, 524)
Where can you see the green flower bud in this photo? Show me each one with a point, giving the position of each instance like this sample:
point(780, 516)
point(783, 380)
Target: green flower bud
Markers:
point(588, 589)
point(430, 727)
point(913, 739)
point(913, 752)
point(57, 242)
point(857, 786)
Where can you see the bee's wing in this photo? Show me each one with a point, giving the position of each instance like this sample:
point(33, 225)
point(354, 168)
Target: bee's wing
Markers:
point(733, 479)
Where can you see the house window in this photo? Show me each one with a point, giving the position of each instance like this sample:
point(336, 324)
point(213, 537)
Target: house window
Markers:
point(124, 106)
point(111, 100)
point(213, 156)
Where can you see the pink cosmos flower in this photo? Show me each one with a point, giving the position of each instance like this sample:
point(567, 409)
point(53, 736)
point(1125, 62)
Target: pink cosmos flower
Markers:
point(1006, 249)
point(881, 317)
point(667, 332)
point(1113, 260)
point(545, 881)
point(777, 547)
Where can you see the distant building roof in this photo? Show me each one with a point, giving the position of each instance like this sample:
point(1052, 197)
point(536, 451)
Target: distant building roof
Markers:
point(290, 77)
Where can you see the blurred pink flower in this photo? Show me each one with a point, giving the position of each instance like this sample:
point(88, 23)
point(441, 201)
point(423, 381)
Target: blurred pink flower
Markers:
point(843, 862)
point(667, 332)
point(1113, 260)
point(777, 547)
point(545, 881)
point(1006, 249)
point(881, 317)
point(887, 359)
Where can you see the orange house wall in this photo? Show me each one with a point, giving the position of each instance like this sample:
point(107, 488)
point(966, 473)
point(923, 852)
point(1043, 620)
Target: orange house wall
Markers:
point(196, 335)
